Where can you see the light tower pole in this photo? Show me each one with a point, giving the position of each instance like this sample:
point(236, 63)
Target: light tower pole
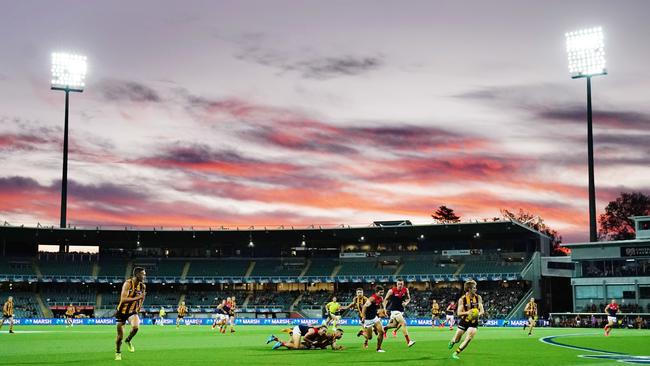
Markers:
point(586, 52)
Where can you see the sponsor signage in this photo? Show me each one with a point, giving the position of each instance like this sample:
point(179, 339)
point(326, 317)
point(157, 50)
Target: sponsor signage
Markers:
point(260, 321)
point(635, 251)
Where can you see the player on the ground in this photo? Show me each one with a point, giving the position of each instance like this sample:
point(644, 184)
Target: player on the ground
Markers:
point(69, 315)
point(371, 310)
point(435, 313)
point(470, 309)
point(395, 301)
point(324, 340)
point(298, 334)
point(161, 316)
point(611, 310)
point(531, 312)
point(182, 311)
point(450, 314)
point(8, 313)
point(131, 299)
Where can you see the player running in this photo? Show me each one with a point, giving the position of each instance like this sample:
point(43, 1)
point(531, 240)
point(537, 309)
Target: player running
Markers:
point(450, 317)
point(531, 312)
point(611, 310)
point(231, 314)
point(435, 313)
point(8, 313)
point(357, 305)
point(161, 316)
point(182, 312)
point(370, 317)
point(223, 314)
point(470, 309)
point(69, 315)
point(333, 310)
point(395, 301)
point(131, 299)
point(298, 334)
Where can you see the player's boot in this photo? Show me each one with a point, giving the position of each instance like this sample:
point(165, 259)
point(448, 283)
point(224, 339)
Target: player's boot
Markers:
point(277, 345)
point(118, 357)
point(450, 345)
point(381, 350)
point(411, 343)
point(271, 338)
point(129, 345)
point(455, 356)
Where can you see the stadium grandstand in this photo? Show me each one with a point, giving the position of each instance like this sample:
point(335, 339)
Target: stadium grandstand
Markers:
point(273, 272)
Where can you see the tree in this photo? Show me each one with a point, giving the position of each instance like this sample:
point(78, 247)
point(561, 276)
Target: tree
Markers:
point(615, 223)
point(537, 223)
point(445, 215)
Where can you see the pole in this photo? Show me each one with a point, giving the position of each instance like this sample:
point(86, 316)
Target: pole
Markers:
point(64, 181)
point(593, 235)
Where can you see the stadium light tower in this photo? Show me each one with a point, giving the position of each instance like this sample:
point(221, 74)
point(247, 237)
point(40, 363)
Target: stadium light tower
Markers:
point(68, 74)
point(586, 52)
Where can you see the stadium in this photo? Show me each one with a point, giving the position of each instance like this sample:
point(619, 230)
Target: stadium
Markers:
point(256, 183)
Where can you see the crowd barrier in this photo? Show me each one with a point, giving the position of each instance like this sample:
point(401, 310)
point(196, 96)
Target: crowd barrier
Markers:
point(258, 321)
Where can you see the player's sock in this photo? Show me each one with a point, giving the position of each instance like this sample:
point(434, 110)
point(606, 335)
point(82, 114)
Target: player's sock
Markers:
point(408, 339)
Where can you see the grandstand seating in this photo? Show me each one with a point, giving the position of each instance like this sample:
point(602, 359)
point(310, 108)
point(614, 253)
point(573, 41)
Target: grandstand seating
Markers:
point(25, 304)
point(215, 268)
point(161, 268)
point(426, 264)
point(78, 295)
point(362, 268)
point(16, 266)
point(271, 267)
point(115, 267)
point(321, 267)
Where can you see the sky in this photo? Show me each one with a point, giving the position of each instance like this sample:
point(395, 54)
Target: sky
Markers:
point(268, 113)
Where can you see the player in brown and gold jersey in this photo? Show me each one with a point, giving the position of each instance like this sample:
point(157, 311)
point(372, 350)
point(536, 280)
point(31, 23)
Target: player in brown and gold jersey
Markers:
point(131, 299)
point(8, 313)
point(531, 313)
point(357, 304)
point(69, 315)
point(182, 311)
point(470, 309)
point(435, 313)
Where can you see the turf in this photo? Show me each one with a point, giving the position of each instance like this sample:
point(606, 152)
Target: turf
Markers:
point(198, 345)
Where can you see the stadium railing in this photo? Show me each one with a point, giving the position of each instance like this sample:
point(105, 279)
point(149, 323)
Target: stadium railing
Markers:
point(597, 320)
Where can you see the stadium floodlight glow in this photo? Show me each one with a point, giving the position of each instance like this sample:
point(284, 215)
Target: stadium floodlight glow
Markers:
point(586, 52)
point(69, 75)
point(68, 71)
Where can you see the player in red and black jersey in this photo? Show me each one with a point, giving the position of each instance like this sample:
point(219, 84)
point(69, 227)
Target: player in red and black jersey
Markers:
point(611, 310)
point(450, 313)
point(299, 333)
point(396, 299)
point(371, 320)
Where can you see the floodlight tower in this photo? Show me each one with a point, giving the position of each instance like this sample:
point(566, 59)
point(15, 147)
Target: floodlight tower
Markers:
point(68, 74)
point(586, 52)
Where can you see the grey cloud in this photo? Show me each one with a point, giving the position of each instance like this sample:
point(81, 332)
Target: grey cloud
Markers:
point(120, 90)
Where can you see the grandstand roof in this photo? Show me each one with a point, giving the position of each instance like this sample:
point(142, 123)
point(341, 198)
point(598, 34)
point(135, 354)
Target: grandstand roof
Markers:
point(316, 236)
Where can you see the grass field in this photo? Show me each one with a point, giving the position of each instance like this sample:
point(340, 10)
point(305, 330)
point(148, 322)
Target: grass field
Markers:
point(198, 345)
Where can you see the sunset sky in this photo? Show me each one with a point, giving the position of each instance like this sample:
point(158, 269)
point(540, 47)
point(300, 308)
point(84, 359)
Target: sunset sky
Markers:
point(210, 113)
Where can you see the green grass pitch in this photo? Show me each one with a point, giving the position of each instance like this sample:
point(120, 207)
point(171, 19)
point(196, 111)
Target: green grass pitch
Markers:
point(198, 345)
